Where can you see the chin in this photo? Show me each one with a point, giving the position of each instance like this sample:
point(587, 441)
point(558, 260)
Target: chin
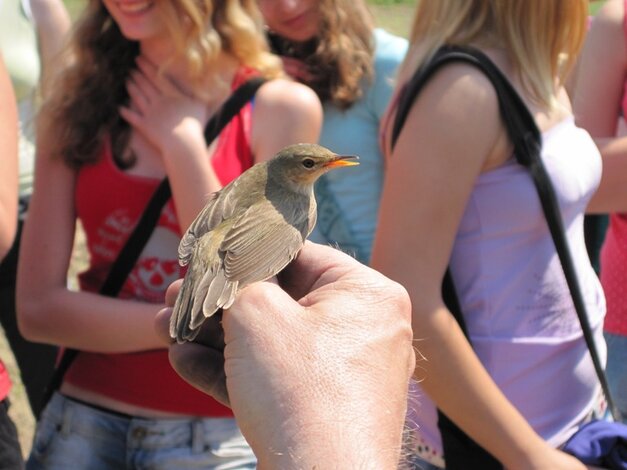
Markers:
point(137, 34)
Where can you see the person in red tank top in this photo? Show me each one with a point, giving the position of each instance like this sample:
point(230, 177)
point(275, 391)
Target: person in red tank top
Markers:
point(129, 111)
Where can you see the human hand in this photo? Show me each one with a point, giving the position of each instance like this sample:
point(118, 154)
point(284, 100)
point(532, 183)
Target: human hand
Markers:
point(316, 367)
point(160, 110)
point(297, 69)
point(547, 457)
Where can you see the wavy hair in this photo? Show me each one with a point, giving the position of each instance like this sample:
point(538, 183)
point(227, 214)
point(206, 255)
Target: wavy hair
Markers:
point(340, 58)
point(83, 106)
point(543, 37)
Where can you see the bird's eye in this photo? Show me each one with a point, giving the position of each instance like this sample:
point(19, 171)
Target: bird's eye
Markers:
point(308, 163)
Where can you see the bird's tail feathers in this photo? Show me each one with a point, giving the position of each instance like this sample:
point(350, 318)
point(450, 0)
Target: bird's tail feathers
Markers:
point(182, 313)
point(196, 303)
point(215, 293)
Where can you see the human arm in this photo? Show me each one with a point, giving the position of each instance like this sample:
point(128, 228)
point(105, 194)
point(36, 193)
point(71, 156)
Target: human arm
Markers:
point(317, 367)
point(285, 113)
point(53, 23)
point(48, 311)
point(597, 102)
point(8, 162)
point(452, 134)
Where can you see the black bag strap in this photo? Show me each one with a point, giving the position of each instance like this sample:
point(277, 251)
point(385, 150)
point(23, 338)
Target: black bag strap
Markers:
point(130, 252)
point(526, 137)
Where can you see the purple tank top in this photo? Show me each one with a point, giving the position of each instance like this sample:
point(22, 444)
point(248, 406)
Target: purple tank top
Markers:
point(512, 290)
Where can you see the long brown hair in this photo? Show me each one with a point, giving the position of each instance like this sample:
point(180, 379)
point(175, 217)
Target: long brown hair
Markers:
point(83, 107)
point(340, 58)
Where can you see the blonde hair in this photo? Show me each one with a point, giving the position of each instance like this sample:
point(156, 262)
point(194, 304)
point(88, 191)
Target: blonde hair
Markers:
point(84, 102)
point(542, 37)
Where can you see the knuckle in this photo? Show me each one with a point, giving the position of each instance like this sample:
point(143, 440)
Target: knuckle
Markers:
point(399, 298)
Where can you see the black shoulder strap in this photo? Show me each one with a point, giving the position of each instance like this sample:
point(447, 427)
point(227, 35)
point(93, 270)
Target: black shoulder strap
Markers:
point(136, 242)
point(242, 95)
point(526, 137)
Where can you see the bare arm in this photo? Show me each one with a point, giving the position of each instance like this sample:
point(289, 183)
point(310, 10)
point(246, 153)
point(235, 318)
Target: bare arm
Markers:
point(47, 311)
point(53, 23)
point(429, 178)
point(597, 102)
point(8, 162)
point(285, 113)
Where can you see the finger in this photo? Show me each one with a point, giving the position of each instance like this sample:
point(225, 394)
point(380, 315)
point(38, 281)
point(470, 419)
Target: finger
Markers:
point(297, 69)
point(162, 325)
point(315, 265)
point(146, 86)
point(139, 100)
point(132, 117)
point(172, 292)
point(201, 367)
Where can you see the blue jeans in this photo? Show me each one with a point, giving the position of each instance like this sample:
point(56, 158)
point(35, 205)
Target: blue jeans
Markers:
point(616, 370)
point(73, 435)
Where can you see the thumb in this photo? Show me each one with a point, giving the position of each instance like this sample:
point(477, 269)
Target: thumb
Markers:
point(258, 305)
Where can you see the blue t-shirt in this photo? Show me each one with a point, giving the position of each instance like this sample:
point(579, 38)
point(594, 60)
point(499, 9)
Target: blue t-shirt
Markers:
point(348, 200)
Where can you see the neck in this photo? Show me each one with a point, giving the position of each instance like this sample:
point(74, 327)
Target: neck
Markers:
point(222, 69)
point(286, 47)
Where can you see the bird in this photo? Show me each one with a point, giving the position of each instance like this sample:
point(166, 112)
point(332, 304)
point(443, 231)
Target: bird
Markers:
point(248, 232)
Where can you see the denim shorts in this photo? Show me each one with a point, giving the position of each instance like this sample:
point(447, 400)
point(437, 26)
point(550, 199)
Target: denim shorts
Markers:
point(72, 435)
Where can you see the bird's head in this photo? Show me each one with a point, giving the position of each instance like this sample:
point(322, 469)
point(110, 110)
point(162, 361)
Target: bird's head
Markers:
point(303, 164)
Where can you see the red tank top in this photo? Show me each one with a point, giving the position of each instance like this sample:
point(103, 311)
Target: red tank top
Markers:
point(109, 203)
point(5, 382)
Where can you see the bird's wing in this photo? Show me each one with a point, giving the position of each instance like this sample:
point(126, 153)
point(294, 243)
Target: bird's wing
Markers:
point(220, 206)
point(261, 243)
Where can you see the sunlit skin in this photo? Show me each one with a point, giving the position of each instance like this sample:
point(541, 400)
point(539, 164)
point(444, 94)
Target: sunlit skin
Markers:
point(296, 20)
point(138, 19)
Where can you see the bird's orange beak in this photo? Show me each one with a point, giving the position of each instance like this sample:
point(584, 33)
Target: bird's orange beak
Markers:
point(342, 160)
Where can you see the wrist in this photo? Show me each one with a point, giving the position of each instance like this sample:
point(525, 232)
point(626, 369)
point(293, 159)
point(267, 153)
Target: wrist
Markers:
point(186, 138)
point(341, 430)
point(330, 444)
point(525, 453)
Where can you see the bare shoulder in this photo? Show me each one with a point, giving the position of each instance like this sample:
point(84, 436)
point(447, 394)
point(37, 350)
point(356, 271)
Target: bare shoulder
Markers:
point(461, 96)
point(285, 113)
point(287, 96)
point(456, 115)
